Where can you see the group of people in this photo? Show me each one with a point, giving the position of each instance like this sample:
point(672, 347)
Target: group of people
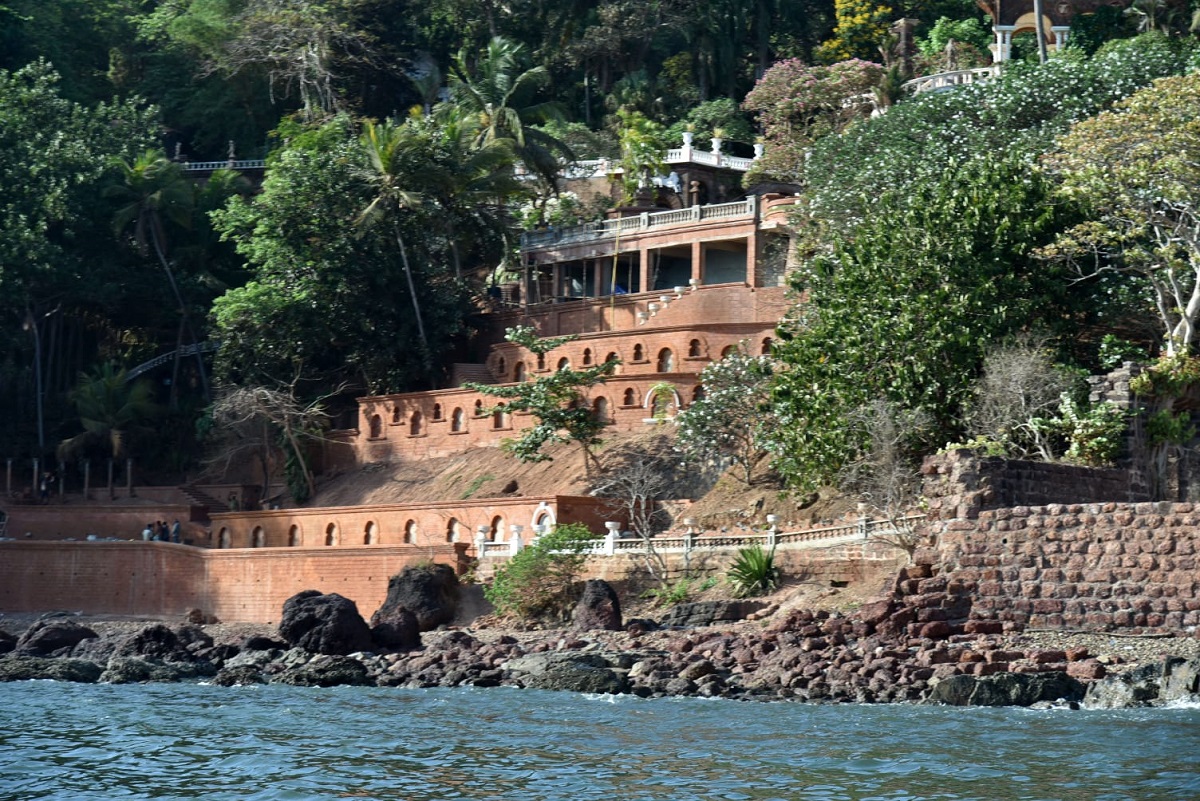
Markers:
point(159, 531)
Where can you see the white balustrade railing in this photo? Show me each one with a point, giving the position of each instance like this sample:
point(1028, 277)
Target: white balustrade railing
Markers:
point(235, 164)
point(612, 545)
point(948, 80)
point(605, 229)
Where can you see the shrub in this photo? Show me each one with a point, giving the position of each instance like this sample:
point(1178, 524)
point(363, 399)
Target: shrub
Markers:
point(541, 581)
point(753, 572)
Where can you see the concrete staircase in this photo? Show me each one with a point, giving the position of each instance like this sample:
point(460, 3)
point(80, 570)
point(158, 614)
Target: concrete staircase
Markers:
point(200, 498)
point(461, 374)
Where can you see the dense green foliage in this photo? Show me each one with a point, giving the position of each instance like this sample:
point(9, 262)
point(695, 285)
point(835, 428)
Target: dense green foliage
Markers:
point(753, 572)
point(540, 582)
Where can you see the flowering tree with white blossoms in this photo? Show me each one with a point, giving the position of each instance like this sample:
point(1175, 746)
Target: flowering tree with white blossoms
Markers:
point(727, 422)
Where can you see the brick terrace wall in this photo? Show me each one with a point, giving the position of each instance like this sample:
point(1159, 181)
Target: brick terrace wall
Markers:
point(962, 484)
point(149, 579)
point(70, 521)
point(389, 524)
point(1080, 566)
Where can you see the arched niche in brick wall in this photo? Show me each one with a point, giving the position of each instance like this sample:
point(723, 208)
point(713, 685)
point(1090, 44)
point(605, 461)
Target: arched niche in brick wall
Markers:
point(416, 424)
point(587, 356)
point(458, 420)
point(496, 529)
point(613, 356)
point(639, 353)
point(370, 533)
point(499, 418)
point(479, 408)
point(224, 540)
point(410, 532)
point(375, 427)
point(452, 530)
point(396, 415)
point(563, 363)
point(501, 366)
point(519, 372)
point(258, 538)
point(666, 361)
point(295, 538)
point(694, 349)
point(437, 411)
point(766, 346)
point(331, 534)
point(697, 393)
point(629, 397)
point(600, 410)
point(728, 350)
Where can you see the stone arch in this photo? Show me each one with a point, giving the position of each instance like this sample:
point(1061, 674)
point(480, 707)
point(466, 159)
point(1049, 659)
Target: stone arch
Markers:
point(543, 515)
point(587, 356)
point(629, 398)
point(613, 356)
point(728, 350)
point(496, 530)
point(415, 423)
point(479, 408)
point(395, 415)
point(258, 538)
point(694, 351)
point(437, 411)
point(224, 539)
point(295, 538)
point(452, 530)
point(600, 410)
point(659, 402)
point(519, 372)
point(331, 534)
point(766, 346)
point(458, 420)
point(563, 363)
point(499, 418)
point(370, 533)
point(666, 361)
point(410, 532)
point(639, 353)
point(375, 427)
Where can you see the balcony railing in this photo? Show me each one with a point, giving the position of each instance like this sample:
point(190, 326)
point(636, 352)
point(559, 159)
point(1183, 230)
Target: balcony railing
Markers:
point(623, 226)
point(948, 80)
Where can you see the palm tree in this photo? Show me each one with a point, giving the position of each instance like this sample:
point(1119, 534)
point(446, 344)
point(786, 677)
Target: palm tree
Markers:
point(109, 407)
point(498, 96)
point(390, 149)
point(153, 189)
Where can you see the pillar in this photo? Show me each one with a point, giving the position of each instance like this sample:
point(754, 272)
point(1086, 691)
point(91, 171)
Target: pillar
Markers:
point(644, 269)
point(698, 261)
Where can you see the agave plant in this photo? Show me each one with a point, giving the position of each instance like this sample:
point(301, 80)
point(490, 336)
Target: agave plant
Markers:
point(753, 572)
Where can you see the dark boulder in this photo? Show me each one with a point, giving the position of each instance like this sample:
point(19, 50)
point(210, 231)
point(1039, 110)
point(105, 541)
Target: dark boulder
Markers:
point(708, 613)
point(430, 592)
point(324, 624)
point(1173, 679)
point(598, 608)
point(156, 642)
point(1006, 689)
point(7, 642)
point(135, 670)
point(572, 672)
point(326, 671)
point(395, 629)
point(52, 636)
point(257, 642)
point(25, 668)
point(193, 638)
point(238, 676)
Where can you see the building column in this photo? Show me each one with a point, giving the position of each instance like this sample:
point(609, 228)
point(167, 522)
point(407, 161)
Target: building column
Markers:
point(1002, 49)
point(753, 256)
point(698, 261)
point(644, 267)
point(1061, 32)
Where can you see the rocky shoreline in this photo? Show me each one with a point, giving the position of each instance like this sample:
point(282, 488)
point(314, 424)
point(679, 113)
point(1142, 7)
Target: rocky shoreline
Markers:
point(881, 653)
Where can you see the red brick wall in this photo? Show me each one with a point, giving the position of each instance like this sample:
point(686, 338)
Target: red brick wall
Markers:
point(1088, 566)
point(123, 578)
point(59, 522)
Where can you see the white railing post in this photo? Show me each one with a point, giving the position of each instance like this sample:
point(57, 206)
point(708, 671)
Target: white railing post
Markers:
point(773, 531)
point(862, 520)
point(514, 545)
point(610, 538)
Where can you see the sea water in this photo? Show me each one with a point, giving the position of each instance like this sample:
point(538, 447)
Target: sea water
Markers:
point(168, 741)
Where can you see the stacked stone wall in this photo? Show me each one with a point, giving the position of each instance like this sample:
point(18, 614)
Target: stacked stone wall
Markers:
point(962, 484)
point(1100, 566)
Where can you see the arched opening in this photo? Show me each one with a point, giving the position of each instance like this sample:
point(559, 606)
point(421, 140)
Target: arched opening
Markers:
point(766, 347)
point(697, 393)
point(479, 408)
point(410, 532)
point(666, 361)
point(563, 363)
point(629, 398)
point(499, 418)
point(224, 540)
point(452, 530)
point(375, 428)
point(414, 424)
point(728, 350)
point(519, 372)
point(294, 538)
point(600, 410)
point(457, 420)
point(614, 357)
point(496, 530)
point(501, 365)
point(395, 415)
point(437, 411)
point(694, 349)
point(370, 533)
point(541, 361)
point(331, 534)
point(639, 353)
point(258, 538)
point(587, 355)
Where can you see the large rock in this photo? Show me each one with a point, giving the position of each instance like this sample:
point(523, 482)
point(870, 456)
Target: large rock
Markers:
point(155, 642)
point(395, 629)
point(709, 613)
point(1174, 679)
point(598, 608)
point(572, 672)
point(135, 670)
point(326, 671)
point(429, 592)
point(7, 642)
point(25, 668)
point(52, 636)
point(1006, 689)
point(324, 624)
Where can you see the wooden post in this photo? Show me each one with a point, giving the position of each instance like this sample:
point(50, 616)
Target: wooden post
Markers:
point(129, 477)
point(87, 479)
point(111, 494)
